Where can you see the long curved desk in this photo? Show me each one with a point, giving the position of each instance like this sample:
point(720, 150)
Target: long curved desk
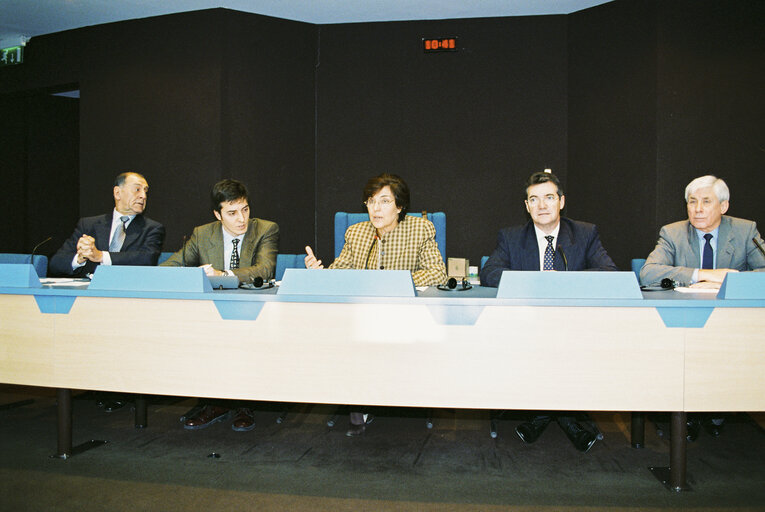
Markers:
point(467, 349)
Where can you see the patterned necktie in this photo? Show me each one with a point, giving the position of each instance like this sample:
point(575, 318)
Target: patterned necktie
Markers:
point(549, 254)
point(707, 259)
point(234, 263)
point(118, 237)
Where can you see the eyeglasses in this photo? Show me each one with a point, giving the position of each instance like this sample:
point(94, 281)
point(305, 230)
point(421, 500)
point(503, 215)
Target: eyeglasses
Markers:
point(385, 201)
point(548, 200)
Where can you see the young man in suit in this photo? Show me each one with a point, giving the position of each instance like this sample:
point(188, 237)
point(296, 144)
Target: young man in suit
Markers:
point(236, 245)
point(548, 242)
point(121, 237)
point(700, 251)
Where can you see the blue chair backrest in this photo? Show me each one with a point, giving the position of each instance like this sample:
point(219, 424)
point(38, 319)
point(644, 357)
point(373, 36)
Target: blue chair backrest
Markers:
point(343, 220)
point(285, 261)
point(40, 263)
point(163, 256)
point(484, 259)
point(637, 264)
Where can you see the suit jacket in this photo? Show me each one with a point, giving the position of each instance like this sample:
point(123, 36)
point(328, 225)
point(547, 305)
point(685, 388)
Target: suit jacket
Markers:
point(677, 255)
point(410, 246)
point(517, 249)
point(257, 256)
point(143, 243)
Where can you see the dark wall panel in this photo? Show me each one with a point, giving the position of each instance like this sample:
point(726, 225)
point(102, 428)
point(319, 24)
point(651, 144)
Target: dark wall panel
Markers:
point(612, 125)
point(268, 120)
point(463, 129)
point(711, 103)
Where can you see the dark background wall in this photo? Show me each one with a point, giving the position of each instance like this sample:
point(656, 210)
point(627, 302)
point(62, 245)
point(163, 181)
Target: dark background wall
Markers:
point(626, 102)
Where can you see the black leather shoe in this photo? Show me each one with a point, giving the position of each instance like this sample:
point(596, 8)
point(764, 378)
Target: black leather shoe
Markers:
point(529, 431)
point(113, 405)
point(206, 416)
point(693, 427)
point(357, 430)
point(711, 428)
point(244, 421)
point(581, 438)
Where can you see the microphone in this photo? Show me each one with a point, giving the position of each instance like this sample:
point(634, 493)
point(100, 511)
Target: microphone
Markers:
point(34, 250)
point(759, 245)
point(258, 282)
point(563, 255)
point(669, 284)
point(452, 282)
point(183, 250)
point(369, 254)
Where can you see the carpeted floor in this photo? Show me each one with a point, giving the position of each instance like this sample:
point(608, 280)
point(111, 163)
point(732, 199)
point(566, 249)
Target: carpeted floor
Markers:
point(399, 464)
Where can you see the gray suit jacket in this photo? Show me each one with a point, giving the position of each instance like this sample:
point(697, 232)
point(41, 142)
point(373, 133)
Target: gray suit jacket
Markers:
point(257, 256)
point(677, 255)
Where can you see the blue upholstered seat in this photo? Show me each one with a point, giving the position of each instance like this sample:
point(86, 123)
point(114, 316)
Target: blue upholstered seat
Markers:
point(40, 261)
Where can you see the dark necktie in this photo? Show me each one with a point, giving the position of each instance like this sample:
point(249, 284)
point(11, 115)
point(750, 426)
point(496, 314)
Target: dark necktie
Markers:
point(234, 263)
point(707, 259)
point(549, 254)
point(118, 237)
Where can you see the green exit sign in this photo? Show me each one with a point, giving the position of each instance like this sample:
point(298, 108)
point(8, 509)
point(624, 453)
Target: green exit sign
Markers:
point(11, 55)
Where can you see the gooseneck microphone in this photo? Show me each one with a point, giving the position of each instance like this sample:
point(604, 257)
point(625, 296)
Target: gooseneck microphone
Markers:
point(184, 241)
point(563, 255)
point(759, 245)
point(34, 250)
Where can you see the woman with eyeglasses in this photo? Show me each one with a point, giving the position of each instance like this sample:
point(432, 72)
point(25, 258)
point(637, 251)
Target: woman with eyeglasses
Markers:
point(389, 240)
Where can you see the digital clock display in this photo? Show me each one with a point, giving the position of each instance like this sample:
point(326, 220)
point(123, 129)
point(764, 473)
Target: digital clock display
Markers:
point(439, 44)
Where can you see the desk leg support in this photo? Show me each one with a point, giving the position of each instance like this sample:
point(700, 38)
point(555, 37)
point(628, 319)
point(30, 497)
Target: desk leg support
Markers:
point(637, 429)
point(140, 411)
point(64, 449)
point(677, 455)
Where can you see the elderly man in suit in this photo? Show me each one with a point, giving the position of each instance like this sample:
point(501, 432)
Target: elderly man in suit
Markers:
point(234, 245)
point(700, 251)
point(548, 242)
point(122, 237)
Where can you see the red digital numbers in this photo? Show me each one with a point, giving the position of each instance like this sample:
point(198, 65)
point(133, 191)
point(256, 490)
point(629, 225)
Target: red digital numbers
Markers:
point(440, 45)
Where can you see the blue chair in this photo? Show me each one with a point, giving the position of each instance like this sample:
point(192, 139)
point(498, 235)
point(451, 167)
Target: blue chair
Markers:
point(164, 256)
point(343, 220)
point(637, 264)
point(40, 261)
point(285, 261)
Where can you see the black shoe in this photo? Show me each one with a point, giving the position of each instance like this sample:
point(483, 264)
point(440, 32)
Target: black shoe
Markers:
point(693, 428)
point(529, 431)
point(357, 430)
point(581, 438)
point(711, 428)
point(113, 405)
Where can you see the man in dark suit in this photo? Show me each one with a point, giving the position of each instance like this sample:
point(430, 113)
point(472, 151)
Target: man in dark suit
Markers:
point(700, 251)
point(121, 237)
point(548, 242)
point(233, 245)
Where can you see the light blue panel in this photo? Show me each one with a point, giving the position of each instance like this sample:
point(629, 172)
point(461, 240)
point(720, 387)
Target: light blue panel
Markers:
point(568, 285)
point(455, 315)
point(150, 279)
point(743, 285)
point(347, 282)
point(238, 310)
point(60, 304)
point(685, 317)
point(19, 275)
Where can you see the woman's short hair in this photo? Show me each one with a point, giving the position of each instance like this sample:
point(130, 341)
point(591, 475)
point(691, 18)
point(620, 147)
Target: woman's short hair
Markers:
point(720, 188)
point(397, 185)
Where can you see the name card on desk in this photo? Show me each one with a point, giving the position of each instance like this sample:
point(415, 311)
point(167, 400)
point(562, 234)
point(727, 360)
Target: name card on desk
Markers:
point(19, 275)
point(568, 285)
point(349, 282)
point(743, 285)
point(150, 279)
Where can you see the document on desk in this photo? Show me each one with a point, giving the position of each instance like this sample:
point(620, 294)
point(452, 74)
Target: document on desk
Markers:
point(65, 281)
point(688, 289)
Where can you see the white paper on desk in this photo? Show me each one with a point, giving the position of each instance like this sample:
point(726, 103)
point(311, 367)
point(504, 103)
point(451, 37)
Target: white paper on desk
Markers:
point(420, 288)
point(687, 289)
point(64, 281)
